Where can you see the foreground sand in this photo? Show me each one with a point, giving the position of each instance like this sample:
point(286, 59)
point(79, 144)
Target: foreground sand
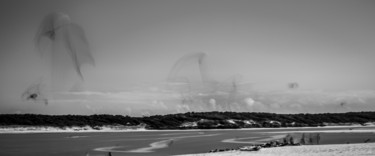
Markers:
point(312, 150)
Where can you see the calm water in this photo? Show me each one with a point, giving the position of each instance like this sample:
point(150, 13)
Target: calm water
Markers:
point(122, 143)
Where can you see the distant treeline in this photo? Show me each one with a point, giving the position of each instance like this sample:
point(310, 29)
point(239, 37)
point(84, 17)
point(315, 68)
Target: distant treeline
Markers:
point(201, 120)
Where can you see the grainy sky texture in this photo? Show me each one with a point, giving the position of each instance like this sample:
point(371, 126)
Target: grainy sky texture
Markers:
point(254, 48)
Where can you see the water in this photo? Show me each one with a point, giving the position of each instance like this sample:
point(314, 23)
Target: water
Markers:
point(123, 143)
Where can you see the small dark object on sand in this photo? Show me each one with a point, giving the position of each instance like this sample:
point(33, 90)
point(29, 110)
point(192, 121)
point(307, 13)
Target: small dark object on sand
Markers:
point(367, 140)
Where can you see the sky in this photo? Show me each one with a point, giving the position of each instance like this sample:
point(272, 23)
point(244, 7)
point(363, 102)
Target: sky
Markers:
point(251, 50)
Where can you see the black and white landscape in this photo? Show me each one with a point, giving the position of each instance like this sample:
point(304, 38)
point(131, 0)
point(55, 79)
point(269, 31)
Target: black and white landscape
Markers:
point(167, 77)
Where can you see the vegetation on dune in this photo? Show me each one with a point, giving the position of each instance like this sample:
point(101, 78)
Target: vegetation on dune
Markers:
point(191, 120)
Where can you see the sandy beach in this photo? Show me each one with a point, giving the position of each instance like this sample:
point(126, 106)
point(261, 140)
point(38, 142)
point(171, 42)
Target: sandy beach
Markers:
point(73, 129)
point(308, 150)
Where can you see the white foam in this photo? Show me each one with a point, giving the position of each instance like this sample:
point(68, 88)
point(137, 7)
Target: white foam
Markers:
point(237, 140)
point(110, 149)
point(153, 146)
point(77, 136)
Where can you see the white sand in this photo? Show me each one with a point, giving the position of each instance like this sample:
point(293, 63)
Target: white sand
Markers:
point(312, 150)
point(75, 129)
point(331, 131)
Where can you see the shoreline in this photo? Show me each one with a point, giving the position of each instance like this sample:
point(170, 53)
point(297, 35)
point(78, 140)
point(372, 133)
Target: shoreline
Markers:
point(168, 137)
point(87, 129)
point(304, 150)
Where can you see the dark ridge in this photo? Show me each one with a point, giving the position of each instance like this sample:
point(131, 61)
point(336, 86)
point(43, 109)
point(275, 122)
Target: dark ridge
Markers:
point(191, 120)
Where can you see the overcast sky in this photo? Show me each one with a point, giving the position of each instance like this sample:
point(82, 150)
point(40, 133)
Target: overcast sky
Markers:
point(326, 46)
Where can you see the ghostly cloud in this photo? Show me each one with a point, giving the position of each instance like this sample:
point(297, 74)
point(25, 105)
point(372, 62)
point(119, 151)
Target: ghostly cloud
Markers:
point(58, 28)
point(159, 104)
point(212, 102)
point(182, 108)
point(196, 58)
point(64, 47)
point(249, 101)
